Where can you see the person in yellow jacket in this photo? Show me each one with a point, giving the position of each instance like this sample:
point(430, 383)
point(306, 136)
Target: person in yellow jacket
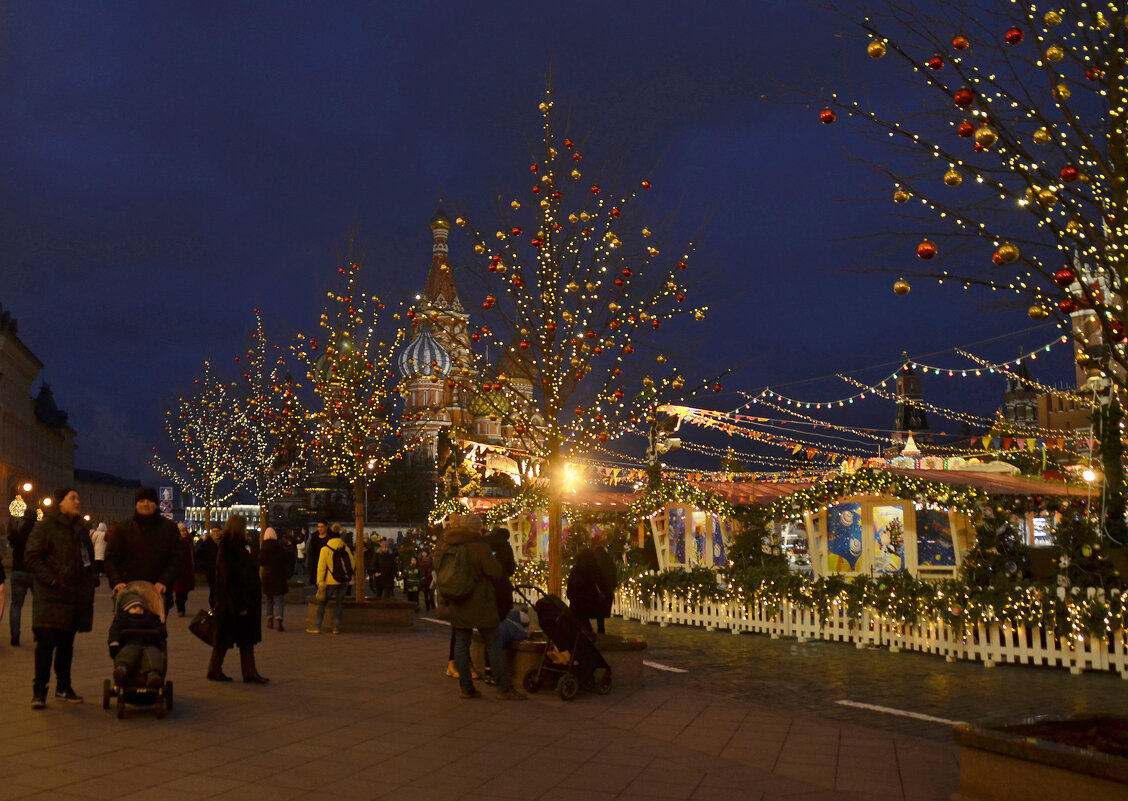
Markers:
point(332, 580)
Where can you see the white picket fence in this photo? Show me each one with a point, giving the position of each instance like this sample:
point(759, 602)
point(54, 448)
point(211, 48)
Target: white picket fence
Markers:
point(989, 644)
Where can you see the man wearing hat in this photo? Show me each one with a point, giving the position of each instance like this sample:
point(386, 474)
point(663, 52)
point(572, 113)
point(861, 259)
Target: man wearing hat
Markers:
point(478, 608)
point(60, 556)
point(145, 547)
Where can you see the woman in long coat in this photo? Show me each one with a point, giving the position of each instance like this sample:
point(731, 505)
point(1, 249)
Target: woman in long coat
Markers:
point(186, 580)
point(591, 584)
point(238, 603)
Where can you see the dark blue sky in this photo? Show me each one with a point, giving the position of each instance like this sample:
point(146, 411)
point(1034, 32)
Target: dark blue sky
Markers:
point(166, 167)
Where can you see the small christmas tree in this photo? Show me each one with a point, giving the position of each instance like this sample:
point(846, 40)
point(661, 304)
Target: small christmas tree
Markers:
point(999, 555)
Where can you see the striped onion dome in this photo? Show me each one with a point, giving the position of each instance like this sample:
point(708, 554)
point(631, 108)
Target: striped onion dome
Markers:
point(424, 357)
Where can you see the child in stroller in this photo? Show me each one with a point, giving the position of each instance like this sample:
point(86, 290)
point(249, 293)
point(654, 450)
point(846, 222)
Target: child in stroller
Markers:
point(138, 645)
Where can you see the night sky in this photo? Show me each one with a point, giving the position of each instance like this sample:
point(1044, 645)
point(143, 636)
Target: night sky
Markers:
point(167, 167)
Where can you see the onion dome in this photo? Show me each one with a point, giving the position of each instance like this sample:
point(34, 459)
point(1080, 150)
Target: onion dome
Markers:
point(487, 404)
point(424, 357)
point(440, 220)
point(332, 359)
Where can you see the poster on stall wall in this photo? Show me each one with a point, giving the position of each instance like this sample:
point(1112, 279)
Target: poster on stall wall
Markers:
point(934, 539)
point(544, 536)
point(844, 537)
point(720, 558)
point(528, 544)
point(888, 539)
point(677, 535)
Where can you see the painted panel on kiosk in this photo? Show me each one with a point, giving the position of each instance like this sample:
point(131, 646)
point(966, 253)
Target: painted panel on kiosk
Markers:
point(888, 539)
point(844, 537)
point(934, 539)
point(676, 528)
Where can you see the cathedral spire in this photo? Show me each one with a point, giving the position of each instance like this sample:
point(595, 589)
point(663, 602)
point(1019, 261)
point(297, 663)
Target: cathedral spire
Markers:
point(439, 289)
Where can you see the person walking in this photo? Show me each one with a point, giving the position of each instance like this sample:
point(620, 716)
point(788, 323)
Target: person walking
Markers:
point(22, 579)
point(145, 547)
point(466, 577)
point(313, 549)
point(333, 579)
point(427, 569)
point(276, 562)
point(185, 581)
point(385, 571)
point(206, 555)
point(60, 556)
point(412, 579)
point(592, 582)
point(98, 537)
point(238, 604)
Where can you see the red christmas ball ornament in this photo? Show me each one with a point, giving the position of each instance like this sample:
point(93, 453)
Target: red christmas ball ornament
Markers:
point(568, 143)
point(1067, 305)
point(628, 349)
point(655, 323)
point(534, 168)
point(1013, 36)
point(595, 189)
point(618, 394)
point(936, 63)
point(961, 42)
point(679, 297)
point(536, 242)
point(579, 411)
point(1094, 74)
point(827, 116)
point(618, 282)
point(927, 249)
point(615, 212)
point(997, 258)
point(524, 344)
point(965, 129)
point(645, 184)
point(536, 189)
point(1070, 173)
point(963, 97)
point(1064, 277)
point(717, 387)
point(682, 265)
point(589, 334)
point(1116, 331)
point(577, 157)
point(626, 272)
point(410, 314)
point(341, 270)
point(550, 327)
point(516, 231)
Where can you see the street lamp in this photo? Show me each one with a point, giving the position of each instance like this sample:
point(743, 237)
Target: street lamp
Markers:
point(26, 486)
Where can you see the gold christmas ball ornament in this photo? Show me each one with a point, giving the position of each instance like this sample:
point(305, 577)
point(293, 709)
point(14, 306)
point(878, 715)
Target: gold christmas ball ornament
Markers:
point(1041, 136)
point(1061, 91)
point(1037, 313)
point(901, 196)
point(986, 136)
point(876, 48)
point(479, 248)
point(1047, 197)
point(1052, 18)
point(953, 178)
point(1054, 53)
point(661, 359)
point(901, 287)
point(1007, 252)
point(1073, 227)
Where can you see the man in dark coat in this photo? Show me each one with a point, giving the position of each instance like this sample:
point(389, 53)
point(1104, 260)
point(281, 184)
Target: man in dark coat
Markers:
point(206, 554)
point(478, 610)
point(22, 580)
point(60, 556)
point(145, 547)
point(592, 582)
point(313, 550)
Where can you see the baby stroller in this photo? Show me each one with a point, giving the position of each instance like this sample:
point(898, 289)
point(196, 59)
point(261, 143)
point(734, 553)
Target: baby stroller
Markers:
point(584, 666)
point(134, 688)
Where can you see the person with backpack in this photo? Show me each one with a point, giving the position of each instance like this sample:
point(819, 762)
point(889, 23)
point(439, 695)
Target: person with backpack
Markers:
point(336, 567)
point(465, 578)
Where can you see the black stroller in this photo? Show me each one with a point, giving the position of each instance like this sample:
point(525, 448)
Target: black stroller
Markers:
point(134, 689)
point(584, 666)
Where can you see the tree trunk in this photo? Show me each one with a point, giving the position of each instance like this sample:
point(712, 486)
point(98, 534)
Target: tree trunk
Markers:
point(358, 507)
point(555, 528)
point(262, 525)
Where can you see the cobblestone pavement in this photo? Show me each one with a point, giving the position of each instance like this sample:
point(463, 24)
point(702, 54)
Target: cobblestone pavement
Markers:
point(811, 677)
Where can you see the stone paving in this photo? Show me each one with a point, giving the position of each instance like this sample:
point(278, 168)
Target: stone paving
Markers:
point(368, 716)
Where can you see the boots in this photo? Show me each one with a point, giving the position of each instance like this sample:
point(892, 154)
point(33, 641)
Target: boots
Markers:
point(247, 663)
point(215, 665)
point(451, 670)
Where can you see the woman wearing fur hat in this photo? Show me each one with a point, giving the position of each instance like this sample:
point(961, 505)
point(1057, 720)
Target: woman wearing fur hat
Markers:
point(60, 556)
point(238, 603)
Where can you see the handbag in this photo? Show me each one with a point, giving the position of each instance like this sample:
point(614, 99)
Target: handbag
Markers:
point(203, 626)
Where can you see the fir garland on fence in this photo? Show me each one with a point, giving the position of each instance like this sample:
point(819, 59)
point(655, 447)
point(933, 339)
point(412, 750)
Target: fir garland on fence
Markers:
point(878, 482)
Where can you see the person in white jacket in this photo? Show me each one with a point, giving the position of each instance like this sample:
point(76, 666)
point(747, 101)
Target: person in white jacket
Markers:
point(98, 537)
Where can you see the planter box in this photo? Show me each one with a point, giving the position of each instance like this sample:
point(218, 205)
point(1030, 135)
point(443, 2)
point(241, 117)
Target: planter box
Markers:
point(1018, 762)
point(368, 616)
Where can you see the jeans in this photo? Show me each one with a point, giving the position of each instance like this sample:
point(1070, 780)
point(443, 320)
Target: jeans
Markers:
point(271, 602)
point(60, 645)
point(22, 582)
point(337, 591)
point(498, 665)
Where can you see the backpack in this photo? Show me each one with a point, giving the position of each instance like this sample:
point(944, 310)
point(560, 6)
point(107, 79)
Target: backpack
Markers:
point(341, 565)
point(456, 577)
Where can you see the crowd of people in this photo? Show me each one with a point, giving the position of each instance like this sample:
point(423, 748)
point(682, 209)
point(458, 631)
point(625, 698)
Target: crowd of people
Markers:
point(59, 561)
